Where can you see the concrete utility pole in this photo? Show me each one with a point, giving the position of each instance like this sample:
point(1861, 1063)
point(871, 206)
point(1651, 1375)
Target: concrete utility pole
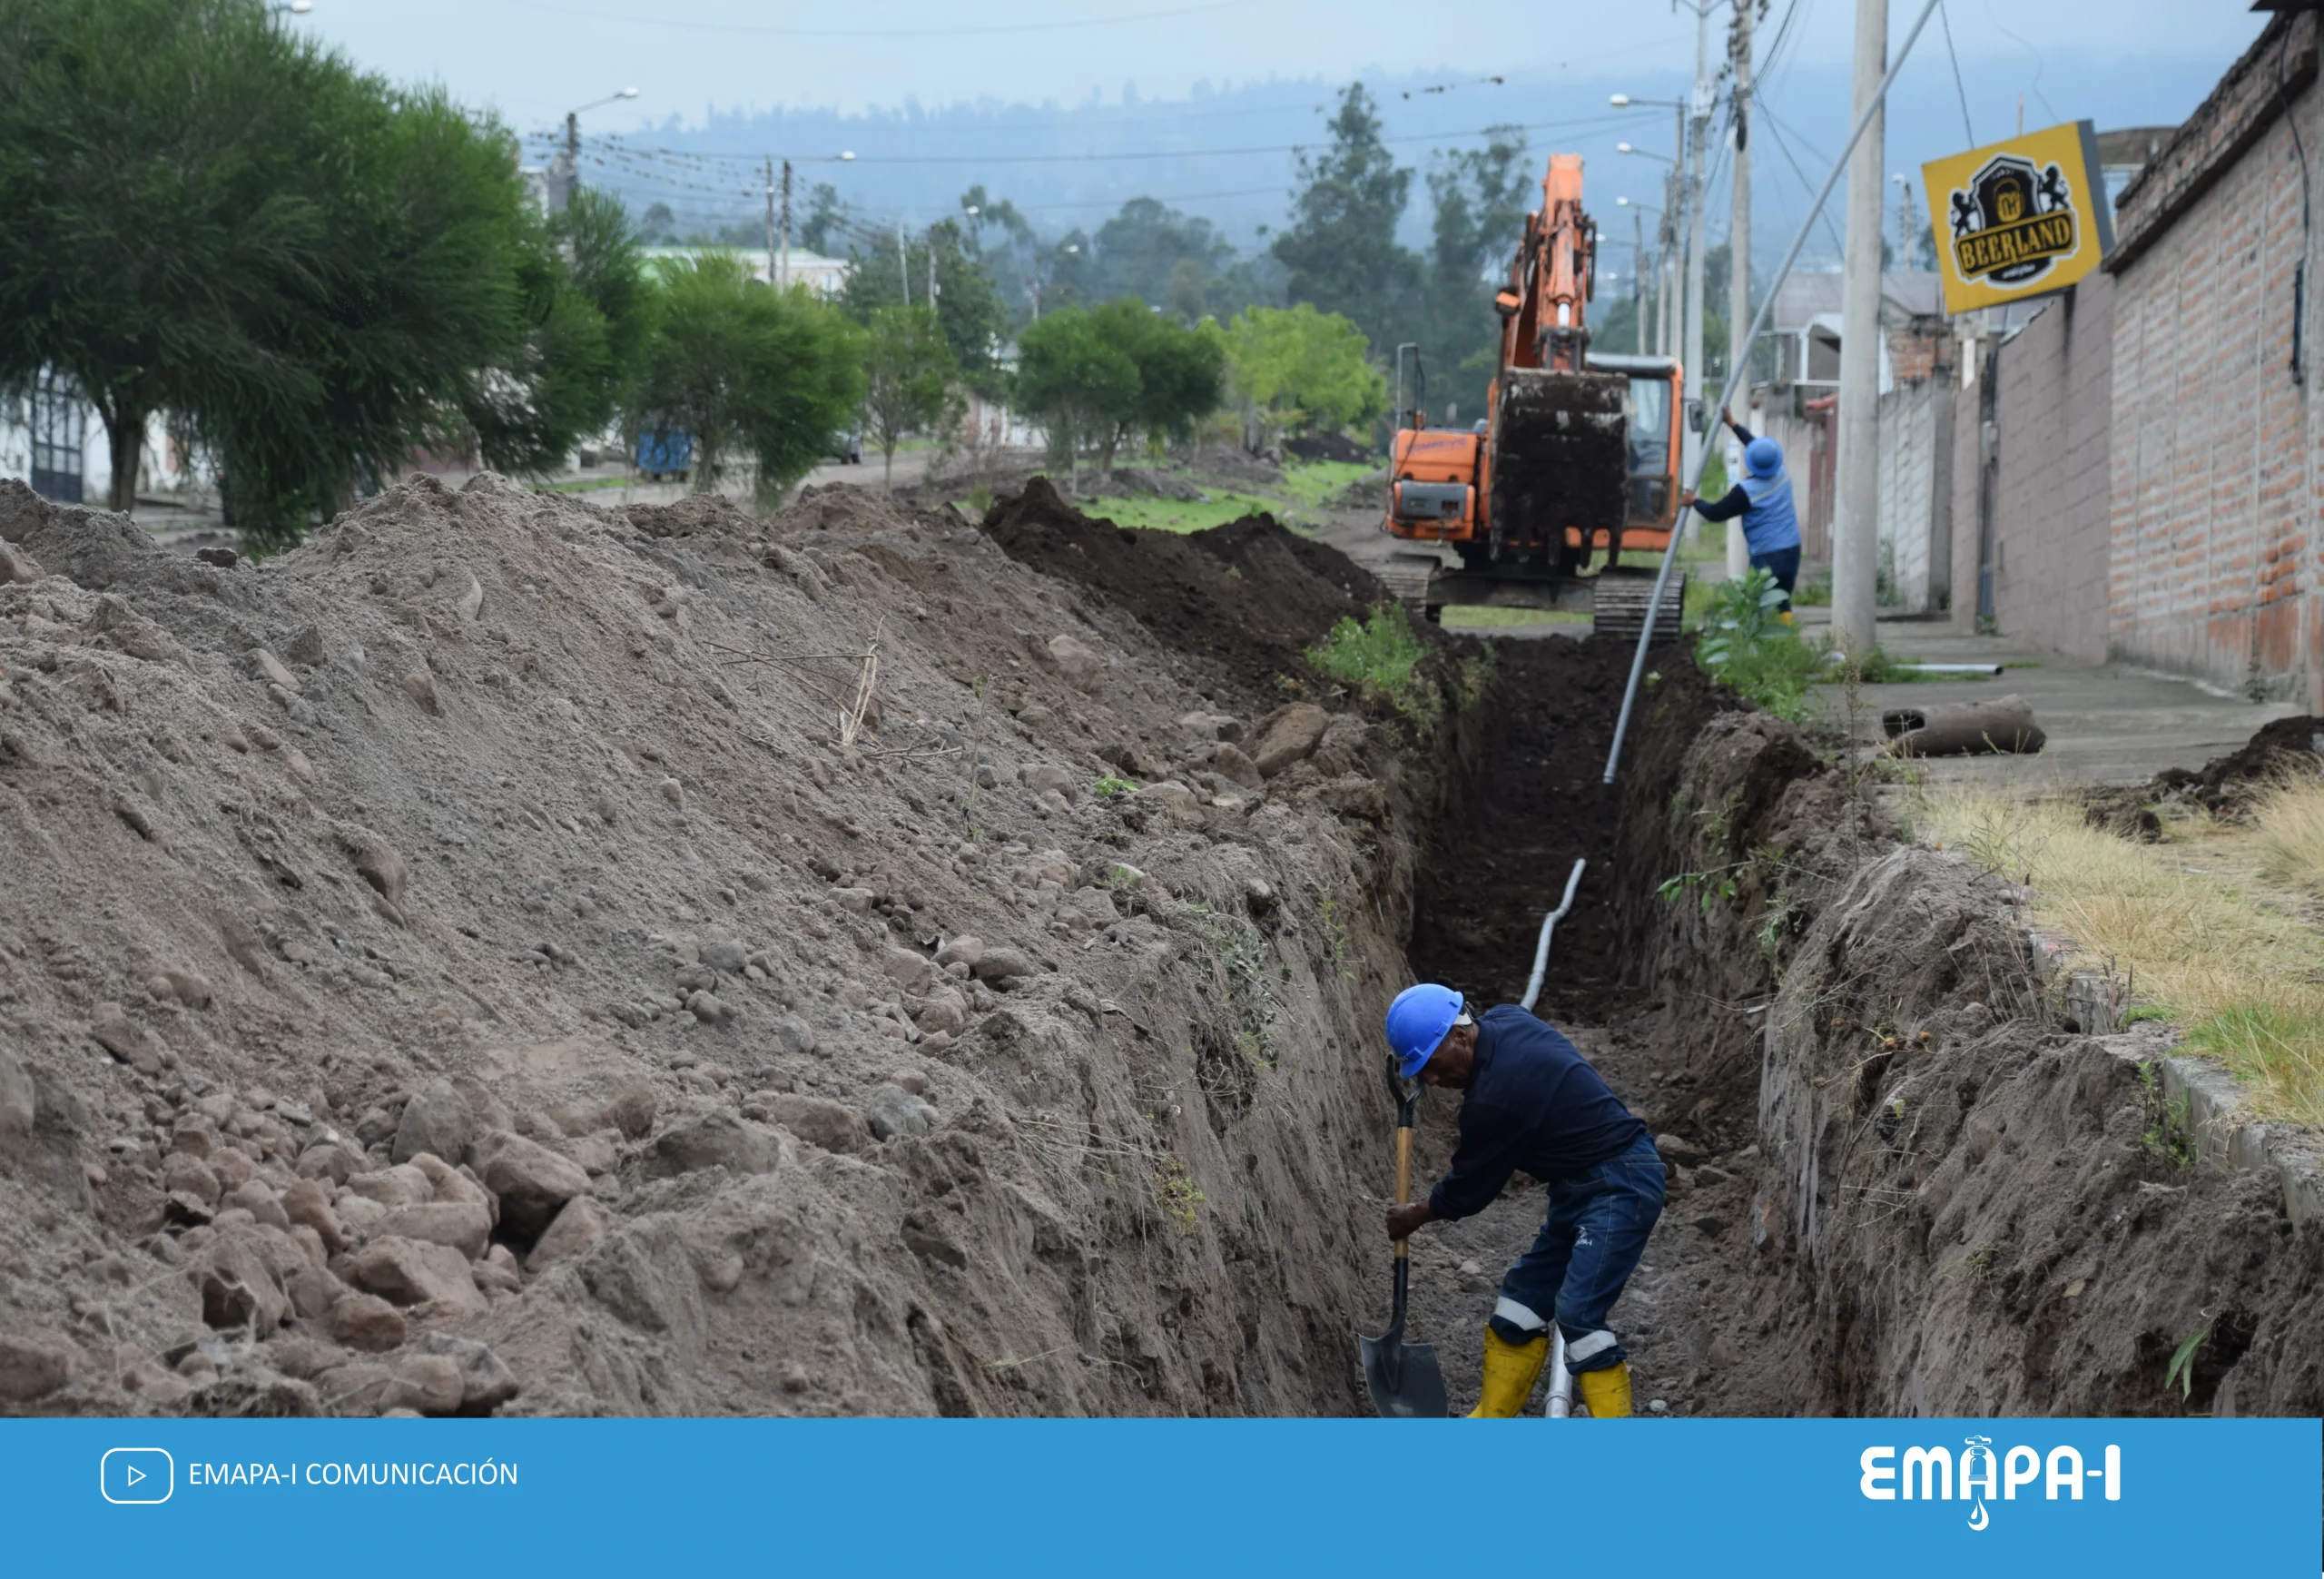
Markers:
point(903, 263)
point(1738, 242)
point(1705, 95)
point(770, 226)
point(1856, 525)
point(1638, 283)
point(783, 281)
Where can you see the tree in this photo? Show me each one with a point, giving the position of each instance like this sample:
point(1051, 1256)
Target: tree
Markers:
point(1158, 255)
point(584, 296)
point(968, 307)
point(1180, 373)
point(819, 232)
point(744, 370)
point(1479, 198)
point(1341, 250)
point(310, 271)
point(657, 226)
point(910, 378)
point(1074, 378)
point(1299, 370)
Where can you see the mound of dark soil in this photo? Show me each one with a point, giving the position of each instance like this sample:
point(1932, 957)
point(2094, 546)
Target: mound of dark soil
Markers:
point(1531, 805)
point(1249, 597)
point(2289, 747)
point(1326, 447)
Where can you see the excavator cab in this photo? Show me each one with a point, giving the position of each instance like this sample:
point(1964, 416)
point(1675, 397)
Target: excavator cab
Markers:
point(1652, 411)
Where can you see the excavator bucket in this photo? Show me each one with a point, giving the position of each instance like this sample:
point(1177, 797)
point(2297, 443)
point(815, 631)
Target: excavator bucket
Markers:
point(1559, 454)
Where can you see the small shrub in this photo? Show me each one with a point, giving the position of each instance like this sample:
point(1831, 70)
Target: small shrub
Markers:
point(1379, 653)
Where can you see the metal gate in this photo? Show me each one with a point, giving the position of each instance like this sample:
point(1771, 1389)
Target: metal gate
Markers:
point(60, 423)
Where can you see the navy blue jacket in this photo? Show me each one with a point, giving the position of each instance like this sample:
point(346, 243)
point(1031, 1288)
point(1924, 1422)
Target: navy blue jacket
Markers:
point(1533, 1103)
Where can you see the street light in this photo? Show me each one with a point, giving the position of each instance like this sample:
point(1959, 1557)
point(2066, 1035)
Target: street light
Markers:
point(294, 7)
point(1643, 153)
point(564, 174)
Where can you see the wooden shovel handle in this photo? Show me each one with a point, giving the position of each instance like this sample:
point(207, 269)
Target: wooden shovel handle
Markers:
point(1403, 1174)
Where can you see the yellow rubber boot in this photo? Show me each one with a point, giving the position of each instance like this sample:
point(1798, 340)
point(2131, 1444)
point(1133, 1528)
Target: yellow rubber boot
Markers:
point(1606, 1393)
point(1511, 1369)
point(1785, 618)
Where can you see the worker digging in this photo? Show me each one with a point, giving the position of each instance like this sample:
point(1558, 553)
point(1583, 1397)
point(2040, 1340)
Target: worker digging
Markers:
point(1532, 1102)
point(1762, 500)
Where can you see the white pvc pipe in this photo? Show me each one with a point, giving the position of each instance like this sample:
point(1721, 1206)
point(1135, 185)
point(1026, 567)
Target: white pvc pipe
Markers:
point(1560, 1406)
point(1542, 947)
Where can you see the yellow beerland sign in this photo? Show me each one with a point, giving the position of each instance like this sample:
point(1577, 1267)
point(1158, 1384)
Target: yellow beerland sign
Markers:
point(2019, 219)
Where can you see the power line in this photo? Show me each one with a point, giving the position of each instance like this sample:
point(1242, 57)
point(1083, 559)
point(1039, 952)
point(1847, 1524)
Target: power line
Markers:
point(1588, 121)
point(665, 20)
point(1946, 21)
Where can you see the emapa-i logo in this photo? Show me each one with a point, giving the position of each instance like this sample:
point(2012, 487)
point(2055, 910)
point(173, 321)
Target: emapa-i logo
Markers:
point(2011, 223)
point(1929, 1475)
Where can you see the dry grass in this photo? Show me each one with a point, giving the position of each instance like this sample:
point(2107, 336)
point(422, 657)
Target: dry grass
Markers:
point(2215, 947)
point(2290, 833)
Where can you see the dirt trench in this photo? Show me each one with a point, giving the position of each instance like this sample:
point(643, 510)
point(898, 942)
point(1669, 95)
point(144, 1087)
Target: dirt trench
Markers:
point(1902, 1183)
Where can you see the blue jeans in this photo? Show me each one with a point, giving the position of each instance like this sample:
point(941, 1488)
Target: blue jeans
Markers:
point(1596, 1230)
point(1784, 565)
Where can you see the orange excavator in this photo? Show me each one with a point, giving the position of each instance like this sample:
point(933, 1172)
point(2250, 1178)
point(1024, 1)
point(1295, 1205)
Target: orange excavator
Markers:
point(1578, 456)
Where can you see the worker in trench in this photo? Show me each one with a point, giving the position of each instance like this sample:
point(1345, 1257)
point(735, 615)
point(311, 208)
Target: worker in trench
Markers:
point(1762, 500)
point(1531, 1101)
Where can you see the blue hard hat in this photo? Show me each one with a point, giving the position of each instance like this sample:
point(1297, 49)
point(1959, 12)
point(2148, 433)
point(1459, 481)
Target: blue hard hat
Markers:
point(1764, 457)
point(1417, 1022)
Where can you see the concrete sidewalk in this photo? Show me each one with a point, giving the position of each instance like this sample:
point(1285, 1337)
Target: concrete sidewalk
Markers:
point(2107, 724)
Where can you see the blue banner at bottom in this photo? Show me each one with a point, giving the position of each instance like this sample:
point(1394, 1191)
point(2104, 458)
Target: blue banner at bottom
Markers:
point(1888, 1497)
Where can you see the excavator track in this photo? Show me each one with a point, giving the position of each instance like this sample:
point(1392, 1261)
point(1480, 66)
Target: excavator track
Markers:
point(1406, 576)
point(1619, 607)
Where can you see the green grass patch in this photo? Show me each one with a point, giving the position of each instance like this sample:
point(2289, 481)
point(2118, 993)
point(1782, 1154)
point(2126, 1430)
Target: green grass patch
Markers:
point(1486, 618)
point(1817, 594)
point(1311, 482)
point(1176, 515)
point(584, 485)
point(1379, 653)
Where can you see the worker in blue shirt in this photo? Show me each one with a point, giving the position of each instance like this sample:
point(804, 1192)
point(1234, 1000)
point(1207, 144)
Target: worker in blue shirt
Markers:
point(1532, 1102)
point(1763, 499)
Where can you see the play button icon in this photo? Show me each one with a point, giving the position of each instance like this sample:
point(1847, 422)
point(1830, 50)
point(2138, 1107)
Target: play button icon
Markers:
point(136, 1475)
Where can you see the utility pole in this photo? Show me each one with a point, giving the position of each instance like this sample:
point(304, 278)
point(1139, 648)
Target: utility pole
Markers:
point(1856, 525)
point(785, 284)
point(565, 170)
point(1739, 243)
point(1637, 283)
point(1706, 94)
point(903, 263)
point(770, 226)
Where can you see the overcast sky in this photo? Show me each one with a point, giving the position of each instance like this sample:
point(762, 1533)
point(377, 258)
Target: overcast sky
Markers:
point(533, 60)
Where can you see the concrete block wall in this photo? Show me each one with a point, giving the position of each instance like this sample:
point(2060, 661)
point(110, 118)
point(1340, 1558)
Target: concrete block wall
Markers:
point(1908, 465)
point(2215, 557)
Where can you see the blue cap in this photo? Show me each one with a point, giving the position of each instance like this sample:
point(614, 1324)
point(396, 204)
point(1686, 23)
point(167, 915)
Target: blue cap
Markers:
point(1417, 1022)
point(1763, 457)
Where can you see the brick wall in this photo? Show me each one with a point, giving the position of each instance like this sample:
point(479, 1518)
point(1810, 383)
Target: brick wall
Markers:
point(2052, 503)
point(2215, 551)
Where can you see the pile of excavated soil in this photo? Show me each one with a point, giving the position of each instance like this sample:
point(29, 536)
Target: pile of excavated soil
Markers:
point(511, 956)
point(1249, 598)
point(2285, 748)
point(1898, 1185)
point(2226, 786)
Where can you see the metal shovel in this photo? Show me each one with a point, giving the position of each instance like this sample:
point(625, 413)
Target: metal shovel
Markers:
point(1404, 1378)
